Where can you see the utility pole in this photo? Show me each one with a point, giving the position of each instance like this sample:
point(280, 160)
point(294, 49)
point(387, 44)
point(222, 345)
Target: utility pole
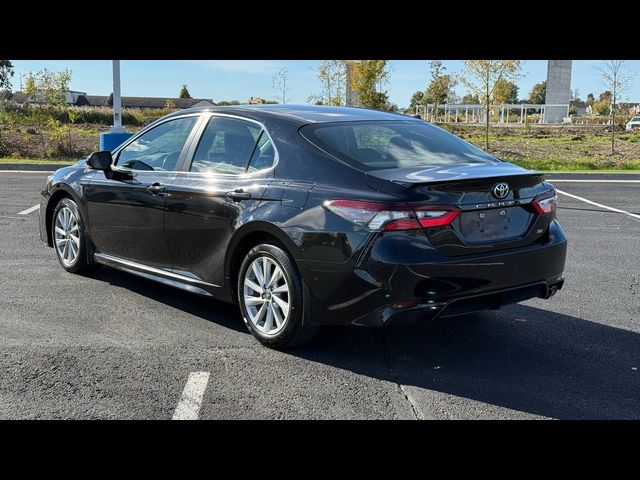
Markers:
point(117, 104)
point(110, 140)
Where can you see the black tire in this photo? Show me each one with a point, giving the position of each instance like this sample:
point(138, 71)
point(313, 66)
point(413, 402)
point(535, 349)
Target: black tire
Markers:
point(294, 332)
point(80, 264)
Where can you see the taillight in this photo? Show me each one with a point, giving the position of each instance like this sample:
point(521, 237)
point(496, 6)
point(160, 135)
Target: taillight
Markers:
point(383, 216)
point(545, 203)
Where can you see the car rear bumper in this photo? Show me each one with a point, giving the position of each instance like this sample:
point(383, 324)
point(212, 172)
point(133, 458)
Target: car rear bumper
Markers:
point(402, 275)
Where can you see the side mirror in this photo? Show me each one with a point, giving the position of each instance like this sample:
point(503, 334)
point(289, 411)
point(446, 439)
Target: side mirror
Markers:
point(100, 160)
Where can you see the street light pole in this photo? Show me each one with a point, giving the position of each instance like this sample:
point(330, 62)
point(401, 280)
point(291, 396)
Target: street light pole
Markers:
point(117, 105)
point(112, 139)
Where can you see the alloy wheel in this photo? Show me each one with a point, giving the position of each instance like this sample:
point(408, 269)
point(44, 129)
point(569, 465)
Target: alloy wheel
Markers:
point(266, 295)
point(67, 236)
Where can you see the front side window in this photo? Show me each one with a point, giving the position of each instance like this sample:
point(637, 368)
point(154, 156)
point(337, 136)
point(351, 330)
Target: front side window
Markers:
point(158, 149)
point(226, 146)
point(374, 145)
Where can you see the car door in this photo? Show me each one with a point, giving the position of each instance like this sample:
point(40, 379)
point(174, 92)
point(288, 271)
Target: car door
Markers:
point(126, 205)
point(230, 168)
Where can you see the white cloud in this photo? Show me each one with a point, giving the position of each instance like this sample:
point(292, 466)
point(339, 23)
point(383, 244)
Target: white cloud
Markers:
point(260, 67)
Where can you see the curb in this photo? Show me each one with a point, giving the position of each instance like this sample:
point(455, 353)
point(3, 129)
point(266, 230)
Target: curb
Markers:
point(592, 176)
point(33, 167)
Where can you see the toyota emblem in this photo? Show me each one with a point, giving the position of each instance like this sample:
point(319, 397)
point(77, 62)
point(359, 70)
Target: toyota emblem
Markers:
point(500, 190)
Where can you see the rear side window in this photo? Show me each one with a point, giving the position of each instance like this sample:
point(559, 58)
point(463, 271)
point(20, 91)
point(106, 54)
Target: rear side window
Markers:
point(226, 146)
point(264, 155)
point(374, 145)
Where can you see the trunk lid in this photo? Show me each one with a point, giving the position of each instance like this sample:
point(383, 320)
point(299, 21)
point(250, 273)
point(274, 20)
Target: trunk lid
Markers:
point(489, 219)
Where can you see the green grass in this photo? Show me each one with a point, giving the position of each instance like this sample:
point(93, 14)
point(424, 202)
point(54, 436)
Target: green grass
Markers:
point(28, 161)
point(574, 165)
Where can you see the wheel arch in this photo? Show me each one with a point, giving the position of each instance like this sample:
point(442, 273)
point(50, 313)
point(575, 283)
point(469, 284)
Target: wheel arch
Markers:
point(61, 191)
point(248, 236)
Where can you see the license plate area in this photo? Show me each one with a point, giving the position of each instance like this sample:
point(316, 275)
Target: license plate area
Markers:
point(496, 224)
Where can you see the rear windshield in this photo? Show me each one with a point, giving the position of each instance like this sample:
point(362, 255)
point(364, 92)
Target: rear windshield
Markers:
point(375, 145)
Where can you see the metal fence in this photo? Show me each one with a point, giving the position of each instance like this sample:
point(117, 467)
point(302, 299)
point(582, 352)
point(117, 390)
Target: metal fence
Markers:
point(501, 113)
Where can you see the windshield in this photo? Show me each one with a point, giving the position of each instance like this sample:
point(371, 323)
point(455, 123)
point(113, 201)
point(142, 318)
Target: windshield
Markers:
point(375, 145)
point(635, 119)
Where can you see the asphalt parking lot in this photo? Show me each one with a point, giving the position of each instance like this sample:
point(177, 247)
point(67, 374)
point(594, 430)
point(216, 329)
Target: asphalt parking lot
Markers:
point(114, 346)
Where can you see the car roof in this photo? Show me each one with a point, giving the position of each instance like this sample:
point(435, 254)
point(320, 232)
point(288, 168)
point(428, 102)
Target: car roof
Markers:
point(301, 113)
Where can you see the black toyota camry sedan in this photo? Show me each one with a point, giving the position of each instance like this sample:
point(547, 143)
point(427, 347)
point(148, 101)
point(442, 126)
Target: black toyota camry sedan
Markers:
point(310, 215)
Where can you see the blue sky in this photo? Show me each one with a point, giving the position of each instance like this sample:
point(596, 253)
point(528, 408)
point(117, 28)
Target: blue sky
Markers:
point(240, 79)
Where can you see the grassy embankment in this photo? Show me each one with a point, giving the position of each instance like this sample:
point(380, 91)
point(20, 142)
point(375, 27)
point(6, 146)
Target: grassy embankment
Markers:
point(538, 147)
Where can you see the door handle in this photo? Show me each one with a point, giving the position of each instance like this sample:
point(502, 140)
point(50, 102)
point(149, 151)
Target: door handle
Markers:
point(238, 195)
point(156, 188)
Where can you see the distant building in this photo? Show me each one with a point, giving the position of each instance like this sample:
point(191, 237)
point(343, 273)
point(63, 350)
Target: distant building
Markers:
point(630, 108)
point(81, 99)
point(72, 96)
point(257, 101)
point(580, 106)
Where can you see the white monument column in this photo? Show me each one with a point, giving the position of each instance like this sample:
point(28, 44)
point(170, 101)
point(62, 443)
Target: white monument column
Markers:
point(558, 90)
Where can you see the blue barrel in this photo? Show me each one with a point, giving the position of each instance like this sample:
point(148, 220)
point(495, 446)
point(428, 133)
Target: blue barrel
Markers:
point(111, 141)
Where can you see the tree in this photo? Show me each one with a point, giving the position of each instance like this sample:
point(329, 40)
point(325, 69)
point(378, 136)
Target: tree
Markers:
point(280, 83)
point(605, 96)
point(416, 100)
point(332, 75)
point(617, 78)
point(538, 93)
point(471, 99)
point(440, 89)
point(184, 92)
point(505, 92)
point(224, 103)
point(368, 77)
point(590, 99)
point(481, 77)
point(602, 107)
point(6, 72)
point(391, 107)
point(48, 87)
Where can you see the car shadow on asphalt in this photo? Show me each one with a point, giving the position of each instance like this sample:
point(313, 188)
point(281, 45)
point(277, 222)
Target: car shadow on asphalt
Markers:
point(521, 357)
point(221, 313)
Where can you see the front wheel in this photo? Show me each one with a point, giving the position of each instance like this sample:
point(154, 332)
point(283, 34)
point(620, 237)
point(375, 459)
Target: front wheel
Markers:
point(67, 232)
point(270, 296)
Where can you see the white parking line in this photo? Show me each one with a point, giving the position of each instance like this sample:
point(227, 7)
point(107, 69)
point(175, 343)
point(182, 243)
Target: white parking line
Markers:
point(189, 405)
point(29, 210)
point(558, 180)
point(26, 171)
point(632, 215)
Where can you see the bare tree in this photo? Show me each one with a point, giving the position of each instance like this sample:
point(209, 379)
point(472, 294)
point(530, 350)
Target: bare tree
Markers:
point(617, 79)
point(482, 76)
point(333, 76)
point(280, 83)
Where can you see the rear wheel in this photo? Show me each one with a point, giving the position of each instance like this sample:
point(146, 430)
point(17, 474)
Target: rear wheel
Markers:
point(67, 232)
point(270, 296)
